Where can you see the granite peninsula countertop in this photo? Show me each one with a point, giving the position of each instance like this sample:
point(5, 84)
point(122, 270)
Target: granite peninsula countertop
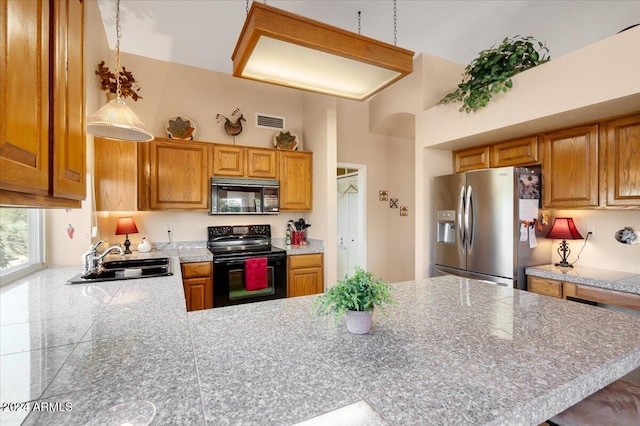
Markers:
point(628, 282)
point(452, 351)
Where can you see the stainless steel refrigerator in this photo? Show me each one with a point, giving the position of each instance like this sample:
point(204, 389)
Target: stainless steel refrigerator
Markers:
point(479, 224)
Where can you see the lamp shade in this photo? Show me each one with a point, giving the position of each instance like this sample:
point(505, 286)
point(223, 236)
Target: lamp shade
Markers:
point(290, 50)
point(563, 228)
point(126, 225)
point(117, 121)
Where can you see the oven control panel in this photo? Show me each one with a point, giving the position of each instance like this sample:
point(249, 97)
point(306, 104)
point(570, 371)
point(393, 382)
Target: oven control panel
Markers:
point(221, 231)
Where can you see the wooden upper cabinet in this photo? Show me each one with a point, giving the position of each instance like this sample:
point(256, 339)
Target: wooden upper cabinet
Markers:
point(69, 154)
point(262, 163)
point(570, 167)
point(519, 152)
point(621, 142)
point(296, 192)
point(178, 175)
point(24, 96)
point(42, 139)
point(115, 175)
point(228, 160)
point(471, 159)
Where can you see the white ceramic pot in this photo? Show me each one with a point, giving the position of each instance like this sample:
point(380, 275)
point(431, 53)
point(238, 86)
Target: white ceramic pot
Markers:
point(359, 322)
point(144, 246)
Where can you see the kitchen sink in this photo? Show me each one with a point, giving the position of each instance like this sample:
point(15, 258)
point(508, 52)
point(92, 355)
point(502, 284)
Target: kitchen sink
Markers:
point(127, 269)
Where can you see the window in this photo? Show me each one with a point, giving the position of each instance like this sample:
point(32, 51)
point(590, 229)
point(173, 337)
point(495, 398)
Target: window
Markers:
point(20, 240)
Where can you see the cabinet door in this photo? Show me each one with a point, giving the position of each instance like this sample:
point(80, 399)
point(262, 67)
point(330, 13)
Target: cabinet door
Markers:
point(471, 159)
point(623, 161)
point(520, 152)
point(228, 161)
point(304, 282)
point(197, 281)
point(24, 96)
point(262, 163)
point(69, 154)
point(115, 174)
point(198, 293)
point(570, 168)
point(296, 181)
point(179, 175)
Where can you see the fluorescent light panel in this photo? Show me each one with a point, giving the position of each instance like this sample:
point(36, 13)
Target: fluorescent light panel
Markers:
point(289, 50)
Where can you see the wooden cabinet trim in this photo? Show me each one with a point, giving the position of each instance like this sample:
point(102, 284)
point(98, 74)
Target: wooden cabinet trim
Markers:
point(601, 295)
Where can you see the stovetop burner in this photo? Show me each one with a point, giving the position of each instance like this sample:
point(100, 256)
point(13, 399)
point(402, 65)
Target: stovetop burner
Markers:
point(241, 240)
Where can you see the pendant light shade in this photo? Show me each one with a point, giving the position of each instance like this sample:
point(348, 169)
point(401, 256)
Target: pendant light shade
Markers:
point(116, 120)
point(282, 48)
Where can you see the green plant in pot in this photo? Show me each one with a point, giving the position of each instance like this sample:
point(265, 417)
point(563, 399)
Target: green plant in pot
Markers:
point(490, 73)
point(356, 296)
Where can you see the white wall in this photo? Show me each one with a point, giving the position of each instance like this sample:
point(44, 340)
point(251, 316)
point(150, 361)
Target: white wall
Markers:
point(602, 251)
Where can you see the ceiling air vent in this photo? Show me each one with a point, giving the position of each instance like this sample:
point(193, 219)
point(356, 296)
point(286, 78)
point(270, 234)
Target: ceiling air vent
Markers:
point(269, 121)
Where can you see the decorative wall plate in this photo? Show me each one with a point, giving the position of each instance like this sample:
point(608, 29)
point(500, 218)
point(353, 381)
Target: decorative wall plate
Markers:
point(181, 127)
point(286, 140)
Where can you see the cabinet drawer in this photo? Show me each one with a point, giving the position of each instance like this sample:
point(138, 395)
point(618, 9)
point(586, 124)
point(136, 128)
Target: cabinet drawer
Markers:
point(543, 286)
point(602, 295)
point(196, 269)
point(305, 261)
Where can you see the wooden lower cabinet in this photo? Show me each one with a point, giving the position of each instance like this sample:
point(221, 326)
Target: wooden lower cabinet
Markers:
point(304, 274)
point(566, 290)
point(197, 280)
point(544, 286)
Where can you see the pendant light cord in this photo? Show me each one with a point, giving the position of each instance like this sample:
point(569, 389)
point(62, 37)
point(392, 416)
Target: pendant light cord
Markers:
point(118, 35)
point(359, 20)
point(395, 23)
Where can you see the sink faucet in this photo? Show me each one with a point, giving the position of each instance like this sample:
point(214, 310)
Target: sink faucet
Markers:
point(91, 260)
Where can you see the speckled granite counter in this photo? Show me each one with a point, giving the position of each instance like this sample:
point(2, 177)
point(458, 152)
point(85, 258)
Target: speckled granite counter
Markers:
point(452, 351)
point(312, 246)
point(612, 280)
point(95, 346)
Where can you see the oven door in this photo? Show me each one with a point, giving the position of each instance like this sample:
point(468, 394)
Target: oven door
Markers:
point(229, 280)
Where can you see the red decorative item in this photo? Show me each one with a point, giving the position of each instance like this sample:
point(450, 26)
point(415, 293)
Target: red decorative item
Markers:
point(255, 271)
point(564, 229)
point(70, 231)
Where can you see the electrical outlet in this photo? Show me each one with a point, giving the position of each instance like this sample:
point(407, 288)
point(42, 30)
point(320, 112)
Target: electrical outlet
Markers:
point(591, 229)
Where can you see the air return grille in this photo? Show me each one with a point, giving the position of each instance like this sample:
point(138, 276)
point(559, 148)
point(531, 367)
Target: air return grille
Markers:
point(269, 121)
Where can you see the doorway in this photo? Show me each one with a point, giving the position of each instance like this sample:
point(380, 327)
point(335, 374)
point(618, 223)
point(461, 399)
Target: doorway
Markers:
point(351, 236)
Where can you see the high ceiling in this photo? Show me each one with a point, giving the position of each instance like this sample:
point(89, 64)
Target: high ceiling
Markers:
point(203, 33)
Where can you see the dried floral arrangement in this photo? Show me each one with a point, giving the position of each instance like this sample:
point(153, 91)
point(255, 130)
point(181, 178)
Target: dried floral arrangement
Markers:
point(129, 87)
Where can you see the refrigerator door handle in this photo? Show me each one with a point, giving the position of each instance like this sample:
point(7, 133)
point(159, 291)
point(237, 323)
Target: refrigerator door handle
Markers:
point(468, 218)
point(461, 213)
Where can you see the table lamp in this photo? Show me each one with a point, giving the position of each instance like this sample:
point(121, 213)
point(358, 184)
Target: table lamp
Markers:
point(126, 226)
point(564, 229)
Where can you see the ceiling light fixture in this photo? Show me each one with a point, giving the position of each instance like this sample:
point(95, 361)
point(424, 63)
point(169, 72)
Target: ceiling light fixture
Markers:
point(116, 120)
point(290, 50)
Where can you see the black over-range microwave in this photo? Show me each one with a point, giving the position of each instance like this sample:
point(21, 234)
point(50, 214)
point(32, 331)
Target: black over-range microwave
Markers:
point(244, 196)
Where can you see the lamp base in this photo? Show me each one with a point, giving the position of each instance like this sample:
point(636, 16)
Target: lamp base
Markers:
point(564, 265)
point(127, 244)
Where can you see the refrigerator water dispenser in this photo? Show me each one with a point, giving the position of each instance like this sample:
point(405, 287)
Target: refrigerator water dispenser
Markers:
point(446, 223)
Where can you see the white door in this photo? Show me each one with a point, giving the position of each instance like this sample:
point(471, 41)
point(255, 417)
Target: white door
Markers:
point(351, 219)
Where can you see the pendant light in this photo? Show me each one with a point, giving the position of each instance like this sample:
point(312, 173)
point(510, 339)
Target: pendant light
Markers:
point(282, 48)
point(116, 120)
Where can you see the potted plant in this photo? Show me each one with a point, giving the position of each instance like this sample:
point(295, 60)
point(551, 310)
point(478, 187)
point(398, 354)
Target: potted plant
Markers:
point(490, 73)
point(129, 87)
point(355, 296)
